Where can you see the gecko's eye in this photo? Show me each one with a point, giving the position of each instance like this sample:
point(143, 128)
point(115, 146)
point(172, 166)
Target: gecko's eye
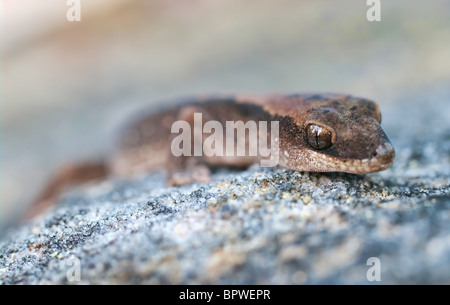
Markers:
point(318, 137)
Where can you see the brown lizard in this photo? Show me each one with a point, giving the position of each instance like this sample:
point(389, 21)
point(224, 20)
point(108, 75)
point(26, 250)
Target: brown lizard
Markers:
point(317, 133)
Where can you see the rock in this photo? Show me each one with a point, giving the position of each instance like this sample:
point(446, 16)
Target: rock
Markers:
point(259, 226)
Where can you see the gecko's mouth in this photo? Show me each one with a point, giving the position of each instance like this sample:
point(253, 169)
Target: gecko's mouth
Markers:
point(382, 159)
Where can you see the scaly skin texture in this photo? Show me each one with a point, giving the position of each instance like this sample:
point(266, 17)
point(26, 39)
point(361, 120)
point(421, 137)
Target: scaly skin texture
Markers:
point(358, 145)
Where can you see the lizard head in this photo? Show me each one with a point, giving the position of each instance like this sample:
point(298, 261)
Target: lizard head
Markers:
point(340, 133)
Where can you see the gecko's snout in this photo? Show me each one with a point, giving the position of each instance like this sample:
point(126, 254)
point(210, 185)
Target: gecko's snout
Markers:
point(384, 156)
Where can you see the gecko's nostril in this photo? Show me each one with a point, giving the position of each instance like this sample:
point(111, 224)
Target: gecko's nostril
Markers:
point(385, 154)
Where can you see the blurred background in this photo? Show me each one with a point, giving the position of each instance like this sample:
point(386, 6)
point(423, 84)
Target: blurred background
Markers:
point(65, 87)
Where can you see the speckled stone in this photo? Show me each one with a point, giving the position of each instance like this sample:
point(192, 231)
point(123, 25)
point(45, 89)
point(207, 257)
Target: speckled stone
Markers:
point(259, 226)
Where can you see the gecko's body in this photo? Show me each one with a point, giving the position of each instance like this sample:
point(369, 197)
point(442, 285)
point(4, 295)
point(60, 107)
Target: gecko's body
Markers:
point(359, 144)
point(319, 133)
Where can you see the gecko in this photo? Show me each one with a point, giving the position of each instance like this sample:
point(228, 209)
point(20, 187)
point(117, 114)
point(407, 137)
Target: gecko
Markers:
point(317, 133)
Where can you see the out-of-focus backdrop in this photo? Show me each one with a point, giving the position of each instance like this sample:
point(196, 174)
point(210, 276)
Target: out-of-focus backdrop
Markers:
point(67, 86)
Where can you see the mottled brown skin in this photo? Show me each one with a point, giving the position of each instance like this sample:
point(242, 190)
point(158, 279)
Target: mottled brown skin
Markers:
point(359, 145)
